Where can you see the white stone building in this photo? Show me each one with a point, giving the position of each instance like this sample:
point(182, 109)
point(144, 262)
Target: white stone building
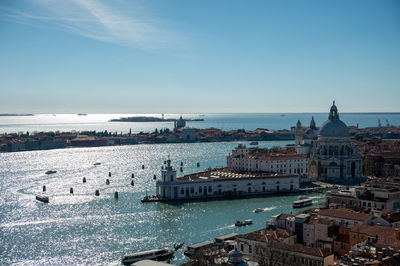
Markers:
point(281, 160)
point(188, 134)
point(222, 182)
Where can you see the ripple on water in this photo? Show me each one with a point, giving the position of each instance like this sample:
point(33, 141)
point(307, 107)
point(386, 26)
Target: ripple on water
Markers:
point(85, 229)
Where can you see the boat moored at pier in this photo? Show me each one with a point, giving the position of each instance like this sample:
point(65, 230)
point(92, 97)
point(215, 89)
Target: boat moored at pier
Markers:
point(154, 254)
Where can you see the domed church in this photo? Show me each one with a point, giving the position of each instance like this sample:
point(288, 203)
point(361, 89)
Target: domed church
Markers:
point(331, 156)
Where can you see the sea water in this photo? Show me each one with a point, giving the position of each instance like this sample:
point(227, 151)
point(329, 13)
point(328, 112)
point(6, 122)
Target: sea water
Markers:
point(248, 121)
point(81, 228)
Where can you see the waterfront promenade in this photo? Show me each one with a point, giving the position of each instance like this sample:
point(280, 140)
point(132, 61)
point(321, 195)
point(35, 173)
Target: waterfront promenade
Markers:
point(55, 140)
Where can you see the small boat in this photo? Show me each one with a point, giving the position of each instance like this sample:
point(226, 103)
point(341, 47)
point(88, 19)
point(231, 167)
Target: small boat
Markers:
point(96, 163)
point(44, 199)
point(150, 198)
point(178, 246)
point(81, 114)
point(257, 210)
point(155, 254)
point(303, 201)
point(254, 143)
point(244, 223)
point(50, 172)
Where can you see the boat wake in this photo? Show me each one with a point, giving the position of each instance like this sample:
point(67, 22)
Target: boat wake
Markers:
point(317, 197)
point(269, 208)
point(222, 228)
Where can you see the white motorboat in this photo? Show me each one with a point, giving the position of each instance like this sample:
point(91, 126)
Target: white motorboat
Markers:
point(303, 201)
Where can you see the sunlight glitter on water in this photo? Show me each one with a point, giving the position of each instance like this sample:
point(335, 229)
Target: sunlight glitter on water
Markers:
point(85, 229)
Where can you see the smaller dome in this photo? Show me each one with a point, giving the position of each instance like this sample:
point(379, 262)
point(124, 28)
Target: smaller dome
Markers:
point(334, 128)
point(235, 256)
point(310, 133)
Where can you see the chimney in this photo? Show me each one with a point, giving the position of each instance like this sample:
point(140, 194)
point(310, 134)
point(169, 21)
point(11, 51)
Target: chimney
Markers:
point(397, 232)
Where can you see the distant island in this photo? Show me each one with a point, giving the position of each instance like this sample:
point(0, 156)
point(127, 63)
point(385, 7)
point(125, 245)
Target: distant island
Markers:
point(149, 119)
point(16, 114)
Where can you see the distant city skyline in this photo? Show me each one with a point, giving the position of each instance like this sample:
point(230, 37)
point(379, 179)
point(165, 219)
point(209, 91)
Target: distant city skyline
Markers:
point(176, 56)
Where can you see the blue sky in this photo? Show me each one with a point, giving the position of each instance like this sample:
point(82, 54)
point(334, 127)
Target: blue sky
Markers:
point(178, 56)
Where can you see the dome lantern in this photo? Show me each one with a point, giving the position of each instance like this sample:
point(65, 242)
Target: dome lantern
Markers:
point(333, 114)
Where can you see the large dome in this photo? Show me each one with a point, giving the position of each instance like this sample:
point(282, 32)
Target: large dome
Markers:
point(334, 128)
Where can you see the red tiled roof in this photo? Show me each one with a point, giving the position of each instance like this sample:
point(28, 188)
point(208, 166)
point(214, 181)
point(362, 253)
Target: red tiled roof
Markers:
point(342, 238)
point(343, 213)
point(386, 235)
point(228, 174)
point(265, 235)
point(299, 248)
point(284, 215)
point(274, 237)
point(391, 216)
point(319, 220)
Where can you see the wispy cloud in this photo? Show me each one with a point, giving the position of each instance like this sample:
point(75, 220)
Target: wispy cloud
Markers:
point(119, 22)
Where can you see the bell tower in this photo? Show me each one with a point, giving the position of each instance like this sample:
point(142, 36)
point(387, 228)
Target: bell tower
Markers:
point(169, 173)
point(298, 133)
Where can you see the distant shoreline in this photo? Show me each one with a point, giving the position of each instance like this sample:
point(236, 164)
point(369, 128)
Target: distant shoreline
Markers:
point(16, 114)
point(149, 119)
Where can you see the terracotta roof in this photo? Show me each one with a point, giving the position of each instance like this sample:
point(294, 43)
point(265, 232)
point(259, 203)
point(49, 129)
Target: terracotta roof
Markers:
point(391, 216)
point(343, 213)
point(386, 235)
point(284, 215)
point(299, 248)
point(319, 220)
point(342, 238)
point(274, 157)
point(273, 237)
point(265, 235)
point(228, 174)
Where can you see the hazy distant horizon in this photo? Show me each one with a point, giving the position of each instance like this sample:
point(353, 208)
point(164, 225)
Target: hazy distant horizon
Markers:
point(194, 113)
point(188, 56)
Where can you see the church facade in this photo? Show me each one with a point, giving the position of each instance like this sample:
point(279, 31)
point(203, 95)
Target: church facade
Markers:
point(331, 156)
